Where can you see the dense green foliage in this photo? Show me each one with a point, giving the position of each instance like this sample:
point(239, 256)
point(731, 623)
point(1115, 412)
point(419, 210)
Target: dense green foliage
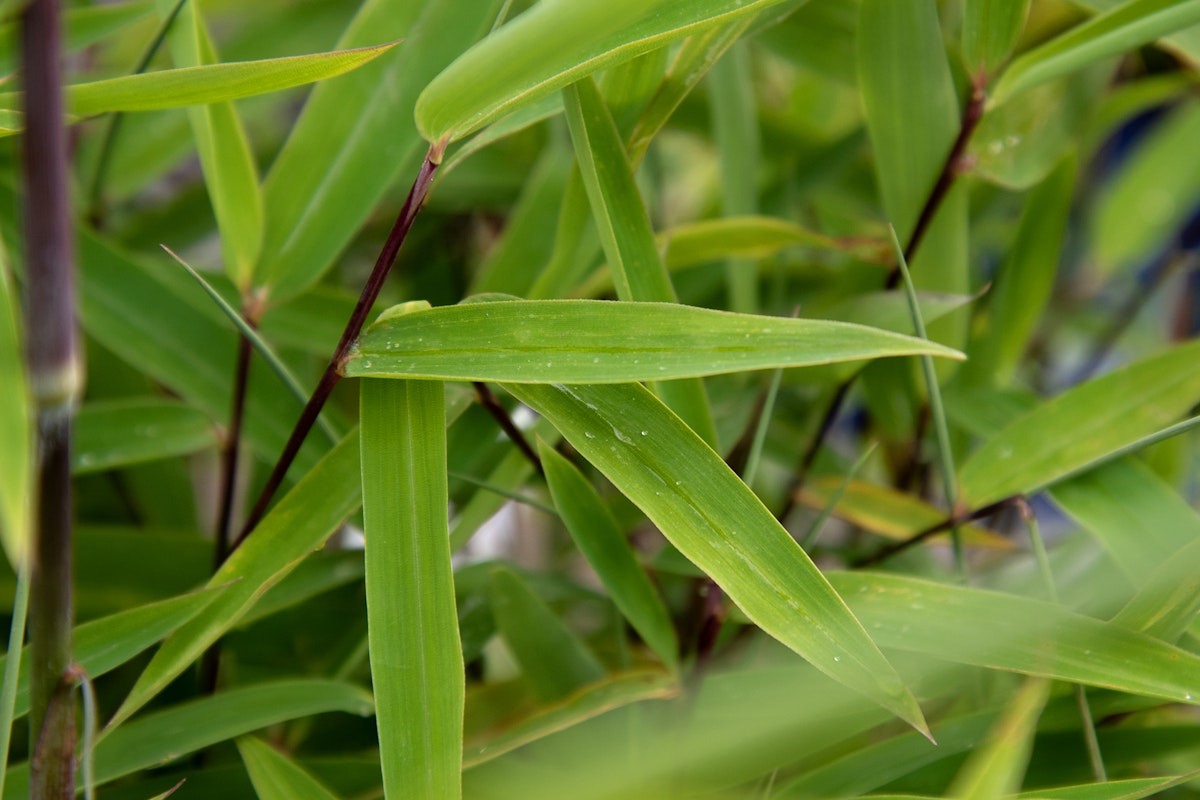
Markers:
point(704, 436)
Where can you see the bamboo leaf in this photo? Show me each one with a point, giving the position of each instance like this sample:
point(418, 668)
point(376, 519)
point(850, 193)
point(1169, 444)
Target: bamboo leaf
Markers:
point(1126, 26)
point(523, 61)
point(718, 523)
point(416, 656)
point(277, 777)
point(602, 543)
point(989, 31)
point(300, 523)
point(554, 661)
point(231, 176)
point(105, 644)
point(16, 428)
point(1080, 426)
point(996, 769)
point(355, 137)
point(591, 701)
point(577, 341)
point(1018, 634)
point(1131, 789)
point(115, 433)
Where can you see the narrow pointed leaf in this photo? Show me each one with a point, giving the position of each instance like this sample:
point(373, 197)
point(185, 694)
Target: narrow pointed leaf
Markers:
point(277, 777)
point(602, 543)
point(416, 657)
point(524, 60)
point(717, 522)
point(1083, 424)
point(105, 644)
point(116, 433)
point(1018, 634)
point(299, 524)
point(1126, 26)
point(213, 83)
point(577, 341)
point(554, 661)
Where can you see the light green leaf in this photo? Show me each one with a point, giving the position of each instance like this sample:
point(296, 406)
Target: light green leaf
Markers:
point(1082, 425)
point(16, 427)
point(416, 656)
point(1152, 195)
point(577, 341)
point(105, 644)
point(1018, 634)
point(996, 769)
point(114, 433)
point(554, 661)
point(1122, 28)
point(299, 524)
point(603, 544)
point(989, 31)
point(277, 777)
point(717, 522)
point(230, 174)
point(591, 701)
point(356, 136)
point(524, 60)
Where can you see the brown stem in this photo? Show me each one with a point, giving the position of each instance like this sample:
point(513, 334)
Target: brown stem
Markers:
point(56, 382)
point(331, 376)
point(810, 455)
point(941, 527)
point(501, 415)
point(230, 452)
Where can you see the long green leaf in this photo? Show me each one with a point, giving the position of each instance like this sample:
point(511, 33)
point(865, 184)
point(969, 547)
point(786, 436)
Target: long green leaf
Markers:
point(302, 520)
point(524, 60)
point(105, 644)
point(553, 659)
point(1009, 632)
point(356, 136)
point(416, 656)
point(277, 777)
point(996, 769)
point(1083, 424)
point(1126, 26)
point(1170, 600)
point(16, 427)
point(718, 523)
point(115, 433)
point(601, 541)
point(577, 341)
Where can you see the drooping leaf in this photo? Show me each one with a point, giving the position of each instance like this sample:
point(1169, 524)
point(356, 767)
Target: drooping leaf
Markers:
point(1126, 26)
point(718, 523)
point(524, 61)
point(1082, 425)
point(416, 658)
point(601, 541)
point(277, 777)
point(577, 341)
point(301, 521)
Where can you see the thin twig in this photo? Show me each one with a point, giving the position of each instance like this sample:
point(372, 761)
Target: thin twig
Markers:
point(505, 421)
point(331, 376)
point(945, 525)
